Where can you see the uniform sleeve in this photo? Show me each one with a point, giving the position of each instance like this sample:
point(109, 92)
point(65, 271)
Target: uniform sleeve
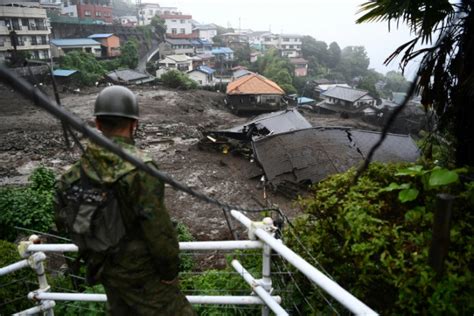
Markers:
point(157, 228)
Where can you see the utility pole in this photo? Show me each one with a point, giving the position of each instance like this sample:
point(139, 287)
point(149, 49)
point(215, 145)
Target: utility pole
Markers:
point(138, 4)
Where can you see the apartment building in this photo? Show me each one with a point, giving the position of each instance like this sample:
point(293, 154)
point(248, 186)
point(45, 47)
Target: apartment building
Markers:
point(289, 45)
point(179, 26)
point(149, 10)
point(94, 9)
point(24, 26)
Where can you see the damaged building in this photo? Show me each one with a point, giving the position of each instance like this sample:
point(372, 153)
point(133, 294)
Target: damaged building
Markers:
point(291, 153)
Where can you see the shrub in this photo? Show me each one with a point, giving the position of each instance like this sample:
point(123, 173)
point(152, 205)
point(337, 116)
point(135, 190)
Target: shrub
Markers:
point(14, 286)
point(29, 207)
point(177, 79)
point(90, 70)
point(374, 239)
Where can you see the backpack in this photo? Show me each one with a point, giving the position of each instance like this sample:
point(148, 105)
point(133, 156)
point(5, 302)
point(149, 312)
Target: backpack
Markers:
point(91, 215)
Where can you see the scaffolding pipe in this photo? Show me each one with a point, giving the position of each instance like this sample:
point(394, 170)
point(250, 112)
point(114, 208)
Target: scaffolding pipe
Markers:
point(195, 245)
point(45, 306)
point(258, 289)
point(14, 267)
point(193, 299)
point(331, 287)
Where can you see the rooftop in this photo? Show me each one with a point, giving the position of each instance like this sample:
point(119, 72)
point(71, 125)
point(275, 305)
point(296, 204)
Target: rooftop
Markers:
point(253, 84)
point(177, 58)
point(101, 35)
point(178, 41)
point(346, 94)
point(63, 72)
point(74, 42)
point(222, 50)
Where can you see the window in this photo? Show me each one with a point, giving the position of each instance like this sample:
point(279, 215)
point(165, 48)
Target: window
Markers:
point(87, 13)
point(182, 31)
point(24, 22)
point(174, 31)
point(182, 21)
point(2, 41)
point(150, 12)
point(286, 39)
point(98, 13)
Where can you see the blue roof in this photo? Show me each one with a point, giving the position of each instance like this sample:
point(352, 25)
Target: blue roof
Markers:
point(100, 35)
point(222, 50)
point(206, 69)
point(303, 100)
point(63, 72)
point(74, 42)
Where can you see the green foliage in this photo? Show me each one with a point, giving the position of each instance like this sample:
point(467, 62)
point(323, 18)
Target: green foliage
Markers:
point(277, 69)
point(186, 261)
point(354, 62)
point(90, 70)
point(78, 308)
point(368, 81)
point(375, 241)
point(224, 282)
point(129, 54)
point(177, 79)
point(14, 286)
point(159, 25)
point(29, 207)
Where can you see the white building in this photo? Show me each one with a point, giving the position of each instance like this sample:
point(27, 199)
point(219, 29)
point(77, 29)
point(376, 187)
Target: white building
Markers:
point(69, 9)
point(288, 44)
point(203, 75)
point(149, 10)
point(25, 24)
point(206, 31)
point(178, 25)
point(179, 62)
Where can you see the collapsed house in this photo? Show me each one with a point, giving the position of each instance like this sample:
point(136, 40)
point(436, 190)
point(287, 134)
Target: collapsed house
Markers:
point(290, 153)
point(128, 77)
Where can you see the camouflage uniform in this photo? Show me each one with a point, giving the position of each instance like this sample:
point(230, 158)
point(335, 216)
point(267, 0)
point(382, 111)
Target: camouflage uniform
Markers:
point(149, 252)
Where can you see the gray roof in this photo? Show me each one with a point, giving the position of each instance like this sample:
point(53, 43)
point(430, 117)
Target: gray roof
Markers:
point(346, 94)
point(394, 148)
point(241, 72)
point(178, 41)
point(127, 75)
point(310, 155)
point(274, 123)
point(74, 42)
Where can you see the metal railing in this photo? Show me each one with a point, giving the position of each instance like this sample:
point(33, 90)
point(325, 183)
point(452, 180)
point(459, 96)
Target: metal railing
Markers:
point(260, 237)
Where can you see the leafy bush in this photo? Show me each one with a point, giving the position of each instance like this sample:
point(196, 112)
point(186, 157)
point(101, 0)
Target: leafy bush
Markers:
point(90, 69)
point(374, 239)
point(29, 207)
point(78, 308)
point(186, 262)
point(129, 54)
point(177, 79)
point(14, 286)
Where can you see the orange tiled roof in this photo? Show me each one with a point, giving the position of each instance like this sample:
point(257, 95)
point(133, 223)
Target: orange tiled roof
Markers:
point(253, 84)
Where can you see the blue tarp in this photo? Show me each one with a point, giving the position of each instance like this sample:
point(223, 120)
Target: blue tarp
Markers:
point(222, 50)
point(74, 42)
point(305, 100)
point(100, 35)
point(206, 69)
point(63, 72)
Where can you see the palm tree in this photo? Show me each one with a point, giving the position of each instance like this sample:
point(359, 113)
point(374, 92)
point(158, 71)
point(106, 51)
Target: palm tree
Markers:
point(446, 74)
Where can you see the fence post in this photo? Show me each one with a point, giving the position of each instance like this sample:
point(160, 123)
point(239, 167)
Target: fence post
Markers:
point(266, 280)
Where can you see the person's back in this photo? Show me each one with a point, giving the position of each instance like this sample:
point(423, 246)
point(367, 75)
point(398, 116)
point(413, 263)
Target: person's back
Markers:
point(140, 274)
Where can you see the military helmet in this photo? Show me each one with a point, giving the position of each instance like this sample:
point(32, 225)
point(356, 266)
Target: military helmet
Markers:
point(116, 101)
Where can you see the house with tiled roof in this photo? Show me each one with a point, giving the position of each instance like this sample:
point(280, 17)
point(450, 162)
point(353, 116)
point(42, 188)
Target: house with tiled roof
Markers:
point(254, 93)
point(60, 47)
point(345, 99)
point(301, 66)
point(203, 75)
point(110, 44)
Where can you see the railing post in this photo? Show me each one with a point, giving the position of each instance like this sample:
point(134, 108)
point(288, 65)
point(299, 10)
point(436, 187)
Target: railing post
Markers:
point(266, 280)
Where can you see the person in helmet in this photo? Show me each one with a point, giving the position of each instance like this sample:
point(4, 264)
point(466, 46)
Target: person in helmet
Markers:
point(140, 274)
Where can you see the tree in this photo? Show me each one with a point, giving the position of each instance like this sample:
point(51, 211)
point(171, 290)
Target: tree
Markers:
point(277, 69)
point(316, 53)
point(90, 70)
point(129, 54)
point(334, 55)
point(395, 82)
point(368, 81)
point(159, 25)
point(354, 62)
point(445, 77)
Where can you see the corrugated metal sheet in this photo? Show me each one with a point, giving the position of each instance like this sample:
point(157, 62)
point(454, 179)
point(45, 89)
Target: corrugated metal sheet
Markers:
point(346, 94)
point(63, 72)
point(74, 42)
point(100, 35)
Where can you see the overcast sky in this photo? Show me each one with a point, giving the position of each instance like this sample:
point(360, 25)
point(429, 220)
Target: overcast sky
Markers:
point(327, 20)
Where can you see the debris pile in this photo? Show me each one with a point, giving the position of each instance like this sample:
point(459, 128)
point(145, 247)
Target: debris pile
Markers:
point(292, 154)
